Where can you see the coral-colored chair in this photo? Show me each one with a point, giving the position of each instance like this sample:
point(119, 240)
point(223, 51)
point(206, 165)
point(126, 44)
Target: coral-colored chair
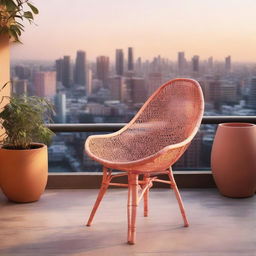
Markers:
point(149, 144)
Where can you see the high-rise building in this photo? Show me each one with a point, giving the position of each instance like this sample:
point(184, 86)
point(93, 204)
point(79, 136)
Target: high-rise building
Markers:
point(66, 72)
point(116, 86)
point(45, 84)
point(135, 90)
point(228, 91)
point(228, 64)
point(60, 106)
point(119, 62)
point(20, 86)
point(88, 82)
point(156, 64)
point(195, 64)
point(80, 68)
point(103, 69)
point(139, 93)
point(97, 84)
point(252, 94)
point(211, 88)
point(210, 63)
point(154, 81)
point(181, 63)
point(138, 66)
point(130, 59)
point(22, 72)
point(59, 69)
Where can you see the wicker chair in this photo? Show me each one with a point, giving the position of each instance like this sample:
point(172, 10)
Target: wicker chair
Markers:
point(149, 144)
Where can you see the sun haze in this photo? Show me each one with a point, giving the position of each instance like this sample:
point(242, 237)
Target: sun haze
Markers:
point(203, 27)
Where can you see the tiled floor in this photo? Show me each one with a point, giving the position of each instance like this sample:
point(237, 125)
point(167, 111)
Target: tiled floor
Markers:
point(55, 225)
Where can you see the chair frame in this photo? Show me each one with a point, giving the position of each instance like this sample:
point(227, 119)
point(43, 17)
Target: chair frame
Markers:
point(134, 197)
point(133, 169)
point(128, 166)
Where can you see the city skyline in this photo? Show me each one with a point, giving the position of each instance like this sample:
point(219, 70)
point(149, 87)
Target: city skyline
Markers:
point(127, 61)
point(102, 93)
point(204, 28)
point(125, 57)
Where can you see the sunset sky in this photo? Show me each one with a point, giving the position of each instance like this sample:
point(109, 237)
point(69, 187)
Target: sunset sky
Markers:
point(215, 28)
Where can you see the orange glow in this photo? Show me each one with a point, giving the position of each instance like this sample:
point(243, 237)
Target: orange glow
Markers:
point(206, 28)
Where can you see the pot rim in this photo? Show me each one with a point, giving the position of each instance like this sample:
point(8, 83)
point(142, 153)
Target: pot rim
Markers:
point(25, 150)
point(236, 125)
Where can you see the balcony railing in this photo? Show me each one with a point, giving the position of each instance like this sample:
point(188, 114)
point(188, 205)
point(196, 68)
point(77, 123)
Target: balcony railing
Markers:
point(185, 179)
point(112, 127)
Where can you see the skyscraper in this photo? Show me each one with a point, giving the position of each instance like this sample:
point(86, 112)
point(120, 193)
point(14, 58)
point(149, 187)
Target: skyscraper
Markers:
point(155, 80)
point(60, 106)
point(119, 62)
point(252, 95)
point(45, 84)
point(88, 86)
point(210, 63)
point(228, 91)
point(130, 59)
point(80, 68)
point(138, 66)
point(116, 87)
point(136, 90)
point(66, 71)
point(22, 72)
point(211, 89)
point(59, 69)
point(181, 62)
point(103, 69)
point(195, 63)
point(20, 86)
point(228, 64)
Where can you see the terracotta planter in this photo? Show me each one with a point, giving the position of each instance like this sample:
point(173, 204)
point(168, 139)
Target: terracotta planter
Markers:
point(23, 173)
point(233, 159)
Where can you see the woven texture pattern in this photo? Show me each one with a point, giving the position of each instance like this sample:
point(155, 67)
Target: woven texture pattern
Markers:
point(170, 116)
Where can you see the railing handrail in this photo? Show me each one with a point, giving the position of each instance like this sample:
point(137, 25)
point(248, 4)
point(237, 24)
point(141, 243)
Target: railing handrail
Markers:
point(112, 127)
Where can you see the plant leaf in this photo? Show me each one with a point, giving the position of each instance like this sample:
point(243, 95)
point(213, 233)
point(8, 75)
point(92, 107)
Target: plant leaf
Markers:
point(14, 35)
point(23, 120)
point(18, 16)
point(11, 5)
point(33, 8)
point(28, 15)
point(4, 86)
point(16, 29)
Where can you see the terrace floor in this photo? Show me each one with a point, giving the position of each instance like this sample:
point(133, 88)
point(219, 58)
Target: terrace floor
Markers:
point(55, 225)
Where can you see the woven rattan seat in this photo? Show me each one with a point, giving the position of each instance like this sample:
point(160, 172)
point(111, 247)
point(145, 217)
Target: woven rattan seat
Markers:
point(152, 141)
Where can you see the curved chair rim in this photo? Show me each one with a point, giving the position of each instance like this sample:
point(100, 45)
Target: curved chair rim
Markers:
point(160, 152)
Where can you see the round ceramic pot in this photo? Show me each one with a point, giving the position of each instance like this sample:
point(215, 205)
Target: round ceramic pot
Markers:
point(24, 173)
point(233, 159)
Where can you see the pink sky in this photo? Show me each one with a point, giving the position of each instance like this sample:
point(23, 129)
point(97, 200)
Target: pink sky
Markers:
point(215, 28)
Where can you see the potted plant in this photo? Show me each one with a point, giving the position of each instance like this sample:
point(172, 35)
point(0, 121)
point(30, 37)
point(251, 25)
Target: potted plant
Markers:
point(24, 164)
point(23, 156)
point(12, 14)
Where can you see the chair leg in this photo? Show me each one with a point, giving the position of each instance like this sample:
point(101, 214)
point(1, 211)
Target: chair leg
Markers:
point(178, 197)
point(103, 189)
point(133, 185)
point(129, 205)
point(145, 196)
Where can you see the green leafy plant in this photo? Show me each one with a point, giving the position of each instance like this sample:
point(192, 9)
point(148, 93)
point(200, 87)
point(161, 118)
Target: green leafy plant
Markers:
point(23, 122)
point(12, 14)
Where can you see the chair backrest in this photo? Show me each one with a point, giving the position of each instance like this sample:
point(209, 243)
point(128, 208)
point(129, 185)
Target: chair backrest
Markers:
point(172, 114)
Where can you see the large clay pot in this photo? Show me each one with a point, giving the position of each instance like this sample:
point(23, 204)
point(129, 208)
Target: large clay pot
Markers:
point(24, 173)
point(233, 159)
